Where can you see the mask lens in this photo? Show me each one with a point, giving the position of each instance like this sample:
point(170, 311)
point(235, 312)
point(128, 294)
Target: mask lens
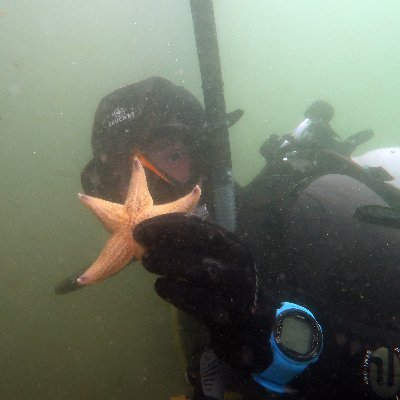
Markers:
point(174, 160)
point(170, 155)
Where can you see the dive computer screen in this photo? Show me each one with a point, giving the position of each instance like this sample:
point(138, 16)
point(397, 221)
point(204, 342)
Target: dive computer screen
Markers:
point(296, 334)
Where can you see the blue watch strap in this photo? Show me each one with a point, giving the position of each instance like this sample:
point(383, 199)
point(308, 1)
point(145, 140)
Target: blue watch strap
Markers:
point(282, 369)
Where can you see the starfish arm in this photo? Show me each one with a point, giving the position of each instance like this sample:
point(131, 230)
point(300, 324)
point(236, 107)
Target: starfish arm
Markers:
point(120, 219)
point(111, 215)
point(184, 204)
point(138, 197)
point(117, 253)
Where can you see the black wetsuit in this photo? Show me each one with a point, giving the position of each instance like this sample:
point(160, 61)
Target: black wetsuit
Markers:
point(313, 249)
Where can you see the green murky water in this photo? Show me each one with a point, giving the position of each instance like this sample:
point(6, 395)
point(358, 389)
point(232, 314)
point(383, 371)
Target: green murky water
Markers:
point(57, 59)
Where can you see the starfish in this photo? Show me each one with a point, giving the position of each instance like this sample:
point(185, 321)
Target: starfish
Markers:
point(121, 219)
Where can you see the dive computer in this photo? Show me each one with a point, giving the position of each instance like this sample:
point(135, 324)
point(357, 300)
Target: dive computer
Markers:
point(296, 342)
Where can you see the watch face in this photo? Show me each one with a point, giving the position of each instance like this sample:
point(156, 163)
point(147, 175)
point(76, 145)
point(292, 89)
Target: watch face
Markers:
point(298, 335)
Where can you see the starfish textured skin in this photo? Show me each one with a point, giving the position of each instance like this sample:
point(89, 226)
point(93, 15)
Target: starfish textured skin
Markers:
point(121, 219)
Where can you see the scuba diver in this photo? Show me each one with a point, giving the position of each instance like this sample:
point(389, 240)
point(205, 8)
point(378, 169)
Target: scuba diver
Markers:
point(302, 300)
point(151, 119)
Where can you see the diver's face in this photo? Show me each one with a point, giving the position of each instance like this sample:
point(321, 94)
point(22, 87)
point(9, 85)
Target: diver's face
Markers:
point(172, 159)
point(168, 159)
point(168, 162)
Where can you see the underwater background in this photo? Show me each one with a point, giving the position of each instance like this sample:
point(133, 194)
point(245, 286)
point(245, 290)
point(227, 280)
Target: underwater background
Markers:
point(57, 60)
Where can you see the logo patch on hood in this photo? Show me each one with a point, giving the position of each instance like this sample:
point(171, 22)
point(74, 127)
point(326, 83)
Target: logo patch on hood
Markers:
point(121, 114)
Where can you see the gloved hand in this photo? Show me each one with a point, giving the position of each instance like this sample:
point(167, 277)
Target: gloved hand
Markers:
point(208, 273)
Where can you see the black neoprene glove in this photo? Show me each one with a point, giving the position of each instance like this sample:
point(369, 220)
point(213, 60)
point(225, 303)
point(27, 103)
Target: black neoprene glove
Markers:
point(208, 273)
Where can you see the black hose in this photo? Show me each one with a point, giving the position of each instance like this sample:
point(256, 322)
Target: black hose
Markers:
point(214, 102)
